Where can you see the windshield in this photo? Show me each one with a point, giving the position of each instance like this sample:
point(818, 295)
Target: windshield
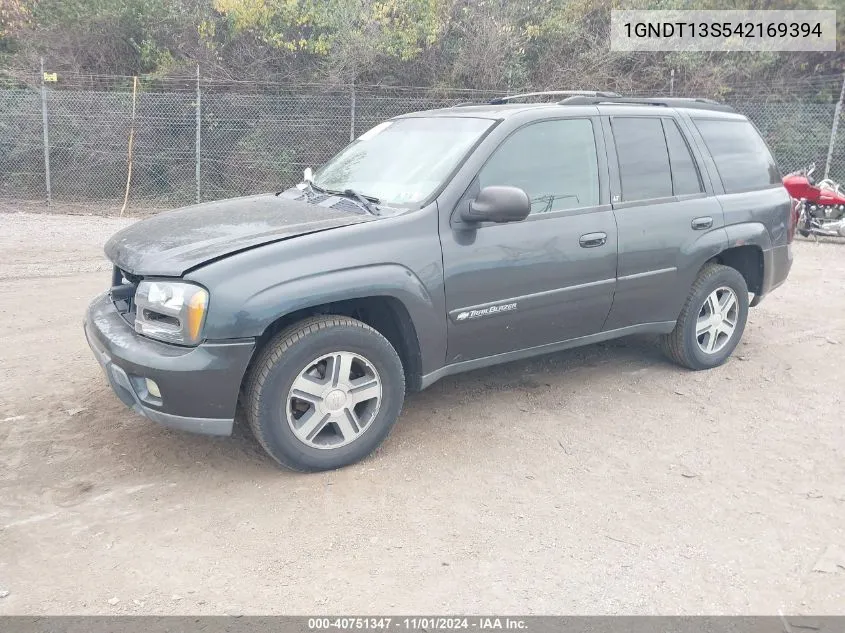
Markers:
point(403, 161)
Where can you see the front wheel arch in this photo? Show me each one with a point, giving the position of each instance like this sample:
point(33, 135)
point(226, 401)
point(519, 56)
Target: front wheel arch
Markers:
point(385, 314)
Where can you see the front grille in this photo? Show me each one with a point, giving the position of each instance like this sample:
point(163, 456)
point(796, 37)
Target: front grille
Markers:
point(123, 287)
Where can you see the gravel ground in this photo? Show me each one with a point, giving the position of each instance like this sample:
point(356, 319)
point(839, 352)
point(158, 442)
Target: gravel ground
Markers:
point(599, 480)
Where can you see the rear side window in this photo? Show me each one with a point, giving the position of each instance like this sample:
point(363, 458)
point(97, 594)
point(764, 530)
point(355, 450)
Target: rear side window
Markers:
point(685, 178)
point(742, 158)
point(643, 158)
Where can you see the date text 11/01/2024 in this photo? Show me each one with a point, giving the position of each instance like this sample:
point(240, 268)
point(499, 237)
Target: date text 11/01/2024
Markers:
point(416, 623)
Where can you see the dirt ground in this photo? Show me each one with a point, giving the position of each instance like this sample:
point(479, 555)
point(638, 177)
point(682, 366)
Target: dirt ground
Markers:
point(599, 480)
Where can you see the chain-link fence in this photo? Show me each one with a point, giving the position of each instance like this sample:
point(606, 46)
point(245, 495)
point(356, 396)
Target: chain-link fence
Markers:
point(194, 140)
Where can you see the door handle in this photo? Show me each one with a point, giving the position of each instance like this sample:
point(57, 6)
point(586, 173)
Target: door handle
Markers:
point(699, 224)
point(591, 240)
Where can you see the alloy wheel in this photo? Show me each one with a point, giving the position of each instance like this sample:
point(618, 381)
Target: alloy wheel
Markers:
point(717, 320)
point(333, 400)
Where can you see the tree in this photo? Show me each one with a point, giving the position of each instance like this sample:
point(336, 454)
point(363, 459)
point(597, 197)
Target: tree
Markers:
point(350, 36)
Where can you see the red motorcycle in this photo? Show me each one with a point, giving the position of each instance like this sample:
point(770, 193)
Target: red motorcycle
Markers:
point(820, 206)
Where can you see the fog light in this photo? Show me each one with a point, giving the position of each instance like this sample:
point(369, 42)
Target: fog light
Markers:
point(152, 388)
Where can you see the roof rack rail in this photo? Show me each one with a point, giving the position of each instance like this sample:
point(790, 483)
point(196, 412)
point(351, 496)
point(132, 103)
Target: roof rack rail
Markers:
point(554, 93)
point(697, 103)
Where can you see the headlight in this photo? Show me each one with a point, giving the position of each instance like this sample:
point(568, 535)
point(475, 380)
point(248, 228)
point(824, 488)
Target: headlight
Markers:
point(172, 311)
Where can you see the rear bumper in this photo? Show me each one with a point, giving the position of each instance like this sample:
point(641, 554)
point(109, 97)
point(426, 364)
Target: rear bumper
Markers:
point(199, 385)
point(777, 262)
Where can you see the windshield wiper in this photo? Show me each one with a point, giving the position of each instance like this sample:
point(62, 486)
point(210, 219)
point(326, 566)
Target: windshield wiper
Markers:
point(314, 187)
point(365, 201)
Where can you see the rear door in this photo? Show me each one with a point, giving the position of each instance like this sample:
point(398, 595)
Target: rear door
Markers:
point(666, 215)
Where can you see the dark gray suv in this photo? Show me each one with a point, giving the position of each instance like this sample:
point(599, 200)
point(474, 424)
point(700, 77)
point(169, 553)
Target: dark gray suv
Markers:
point(439, 242)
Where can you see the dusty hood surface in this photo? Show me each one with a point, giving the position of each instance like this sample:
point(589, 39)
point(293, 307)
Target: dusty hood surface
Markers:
point(173, 242)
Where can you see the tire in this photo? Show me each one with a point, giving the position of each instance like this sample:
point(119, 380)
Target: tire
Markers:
point(276, 410)
point(683, 346)
point(804, 224)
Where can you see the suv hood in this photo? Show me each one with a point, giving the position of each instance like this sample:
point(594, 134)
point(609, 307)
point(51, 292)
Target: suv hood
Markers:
point(171, 243)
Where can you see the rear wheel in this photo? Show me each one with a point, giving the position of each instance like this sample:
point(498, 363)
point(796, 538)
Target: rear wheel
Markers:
point(712, 320)
point(324, 393)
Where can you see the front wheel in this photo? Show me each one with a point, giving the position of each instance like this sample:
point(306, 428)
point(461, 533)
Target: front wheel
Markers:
point(324, 393)
point(712, 321)
point(804, 223)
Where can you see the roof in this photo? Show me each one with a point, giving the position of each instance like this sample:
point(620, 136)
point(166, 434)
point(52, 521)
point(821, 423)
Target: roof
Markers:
point(482, 111)
point(649, 105)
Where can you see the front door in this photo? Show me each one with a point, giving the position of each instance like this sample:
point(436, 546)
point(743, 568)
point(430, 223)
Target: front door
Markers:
point(550, 277)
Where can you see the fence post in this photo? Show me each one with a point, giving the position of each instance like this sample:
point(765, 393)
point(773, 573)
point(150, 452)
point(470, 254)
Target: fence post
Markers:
point(837, 112)
point(44, 122)
point(199, 134)
point(131, 143)
point(352, 115)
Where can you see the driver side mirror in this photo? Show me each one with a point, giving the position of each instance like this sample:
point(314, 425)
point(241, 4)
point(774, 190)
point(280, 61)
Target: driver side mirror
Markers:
point(498, 204)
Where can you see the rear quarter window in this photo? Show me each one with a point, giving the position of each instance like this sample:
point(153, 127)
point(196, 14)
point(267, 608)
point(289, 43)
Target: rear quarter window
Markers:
point(741, 156)
point(685, 177)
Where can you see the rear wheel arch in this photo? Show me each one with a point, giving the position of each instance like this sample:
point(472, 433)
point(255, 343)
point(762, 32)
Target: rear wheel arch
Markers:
point(748, 261)
point(744, 252)
point(741, 247)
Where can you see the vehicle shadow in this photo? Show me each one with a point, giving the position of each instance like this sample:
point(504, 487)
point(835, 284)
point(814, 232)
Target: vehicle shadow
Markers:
point(579, 369)
point(141, 446)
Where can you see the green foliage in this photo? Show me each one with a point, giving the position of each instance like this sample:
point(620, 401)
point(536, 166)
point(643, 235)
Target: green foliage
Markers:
point(117, 36)
point(492, 44)
point(14, 15)
point(399, 29)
